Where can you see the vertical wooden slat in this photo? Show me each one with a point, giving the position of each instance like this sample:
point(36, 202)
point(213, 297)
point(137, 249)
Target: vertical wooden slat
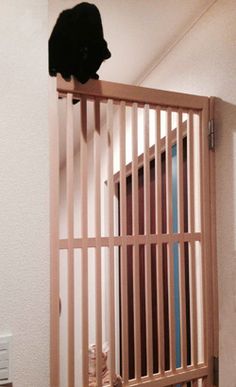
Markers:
point(84, 234)
point(70, 228)
point(169, 174)
point(209, 258)
point(180, 189)
point(111, 195)
point(148, 283)
point(193, 303)
point(191, 224)
point(205, 227)
point(170, 245)
point(123, 224)
point(158, 191)
point(203, 118)
point(180, 174)
point(54, 241)
point(159, 265)
point(198, 255)
point(214, 265)
point(97, 206)
point(135, 227)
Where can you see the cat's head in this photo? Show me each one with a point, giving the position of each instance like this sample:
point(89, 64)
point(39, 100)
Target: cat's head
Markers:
point(93, 359)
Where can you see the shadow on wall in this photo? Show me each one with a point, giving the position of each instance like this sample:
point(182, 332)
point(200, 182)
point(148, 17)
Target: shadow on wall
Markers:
point(225, 125)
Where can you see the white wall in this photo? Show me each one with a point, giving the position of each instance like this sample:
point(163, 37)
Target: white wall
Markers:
point(204, 62)
point(24, 182)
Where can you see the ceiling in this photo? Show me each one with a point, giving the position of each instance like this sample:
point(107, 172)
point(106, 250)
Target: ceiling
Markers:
point(139, 32)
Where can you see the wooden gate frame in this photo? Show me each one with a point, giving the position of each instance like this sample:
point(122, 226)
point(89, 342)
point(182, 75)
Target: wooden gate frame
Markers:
point(133, 94)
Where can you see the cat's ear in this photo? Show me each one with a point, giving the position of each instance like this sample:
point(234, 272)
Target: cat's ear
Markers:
point(107, 54)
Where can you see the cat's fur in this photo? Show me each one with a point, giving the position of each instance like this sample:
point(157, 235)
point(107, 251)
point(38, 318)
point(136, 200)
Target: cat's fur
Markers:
point(77, 46)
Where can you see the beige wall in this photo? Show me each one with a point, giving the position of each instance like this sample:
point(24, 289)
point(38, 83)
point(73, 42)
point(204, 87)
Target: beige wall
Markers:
point(24, 166)
point(204, 62)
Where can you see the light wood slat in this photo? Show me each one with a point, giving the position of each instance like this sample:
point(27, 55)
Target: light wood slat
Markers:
point(203, 117)
point(123, 224)
point(183, 331)
point(160, 310)
point(193, 303)
point(148, 282)
point(116, 91)
point(111, 195)
point(191, 225)
point(198, 247)
point(54, 241)
point(159, 264)
point(180, 188)
point(158, 174)
point(190, 156)
point(135, 228)
point(70, 231)
point(171, 307)
point(180, 173)
point(84, 232)
point(213, 236)
point(169, 175)
point(204, 178)
point(98, 274)
point(170, 257)
point(132, 239)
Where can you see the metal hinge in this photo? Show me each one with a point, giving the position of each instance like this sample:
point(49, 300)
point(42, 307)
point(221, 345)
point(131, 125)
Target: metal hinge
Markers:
point(215, 371)
point(211, 134)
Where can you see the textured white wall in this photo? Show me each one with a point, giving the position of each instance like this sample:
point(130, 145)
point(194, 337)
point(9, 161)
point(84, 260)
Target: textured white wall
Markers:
point(204, 62)
point(24, 170)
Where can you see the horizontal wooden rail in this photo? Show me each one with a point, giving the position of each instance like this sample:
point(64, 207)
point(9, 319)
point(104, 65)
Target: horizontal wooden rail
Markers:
point(129, 93)
point(169, 379)
point(132, 240)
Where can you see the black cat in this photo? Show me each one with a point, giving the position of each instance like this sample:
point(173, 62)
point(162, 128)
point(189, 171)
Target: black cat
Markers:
point(77, 46)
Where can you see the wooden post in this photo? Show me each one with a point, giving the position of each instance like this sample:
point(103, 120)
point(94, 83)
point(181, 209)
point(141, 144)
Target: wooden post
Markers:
point(98, 274)
point(135, 228)
point(70, 233)
point(123, 217)
point(147, 225)
point(54, 242)
point(84, 234)
point(170, 257)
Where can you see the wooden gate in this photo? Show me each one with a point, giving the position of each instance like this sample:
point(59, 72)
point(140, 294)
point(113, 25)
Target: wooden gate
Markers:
point(133, 260)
